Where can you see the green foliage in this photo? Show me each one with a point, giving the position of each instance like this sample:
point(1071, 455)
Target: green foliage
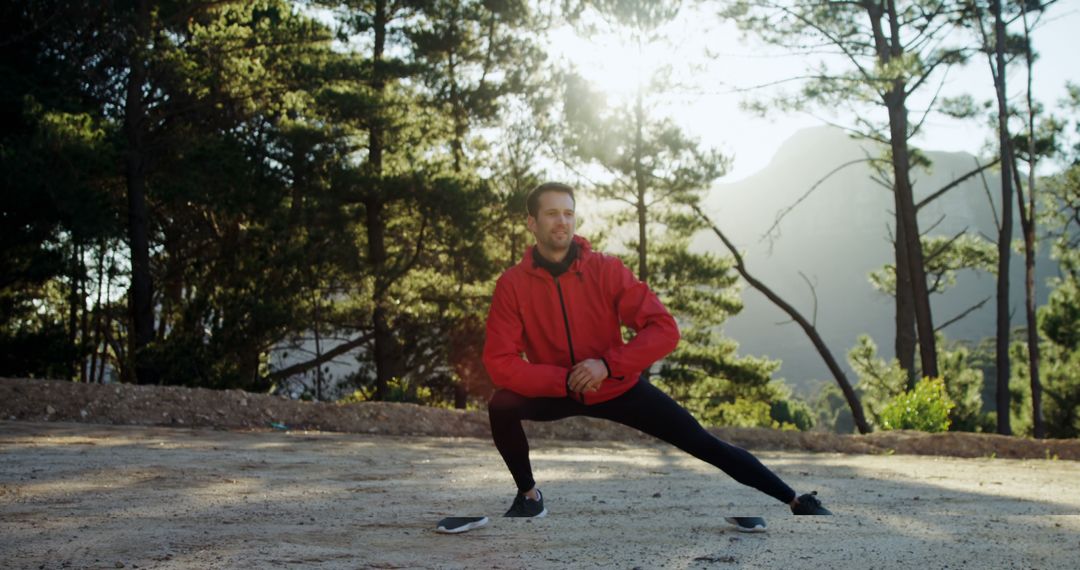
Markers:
point(832, 410)
point(925, 408)
point(717, 401)
point(944, 257)
point(1058, 322)
point(1061, 391)
point(1058, 319)
point(56, 161)
point(964, 380)
point(791, 413)
point(268, 219)
point(875, 66)
point(271, 221)
point(881, 382)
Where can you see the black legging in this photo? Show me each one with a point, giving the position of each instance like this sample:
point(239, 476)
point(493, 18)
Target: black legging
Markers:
point(643, 407)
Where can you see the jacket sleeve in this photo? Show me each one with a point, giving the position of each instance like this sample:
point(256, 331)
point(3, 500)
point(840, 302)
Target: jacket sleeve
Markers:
point(640, 309)
point(503, 347)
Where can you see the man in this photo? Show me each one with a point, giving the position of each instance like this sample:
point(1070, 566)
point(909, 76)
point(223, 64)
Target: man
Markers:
point(563, 306)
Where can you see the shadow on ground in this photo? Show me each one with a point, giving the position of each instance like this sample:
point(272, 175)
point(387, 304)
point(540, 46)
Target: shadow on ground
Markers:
point(76, 495)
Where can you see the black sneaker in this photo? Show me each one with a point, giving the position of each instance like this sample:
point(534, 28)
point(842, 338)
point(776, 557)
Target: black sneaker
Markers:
point(747, 524)
point(455, 525)
point(809, 504)
point(526, 507)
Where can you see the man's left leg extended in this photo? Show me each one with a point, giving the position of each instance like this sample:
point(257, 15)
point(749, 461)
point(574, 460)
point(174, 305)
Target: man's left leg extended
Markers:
point(506, 409)
point(646, 408)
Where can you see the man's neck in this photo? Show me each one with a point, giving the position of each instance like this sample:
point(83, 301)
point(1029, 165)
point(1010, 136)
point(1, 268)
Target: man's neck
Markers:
point(556, 268)
point(552, 256)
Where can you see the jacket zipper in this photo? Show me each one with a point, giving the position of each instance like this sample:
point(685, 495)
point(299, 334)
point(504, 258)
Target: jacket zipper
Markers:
point(566, 321)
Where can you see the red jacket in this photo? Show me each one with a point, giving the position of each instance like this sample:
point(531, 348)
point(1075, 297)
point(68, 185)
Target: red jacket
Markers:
point(559, 322)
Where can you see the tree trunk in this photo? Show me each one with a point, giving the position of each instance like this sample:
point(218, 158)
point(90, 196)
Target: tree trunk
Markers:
point(318, 347)
point(141, 293)
point(909, 231)
point(95, 340)
point(889, 49)
point(1038, 424)
point(457, 143)
point(84, 324)
point(641, 186)
point(386, 349)
point(104, 329)
point(1005, 231)
point(72, 363)
point(1027, 222)
point(905, 307)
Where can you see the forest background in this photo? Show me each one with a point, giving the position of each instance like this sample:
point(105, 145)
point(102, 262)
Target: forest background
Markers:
point(313, 198)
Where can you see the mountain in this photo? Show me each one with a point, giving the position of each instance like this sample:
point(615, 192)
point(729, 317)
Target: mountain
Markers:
point(836, 235)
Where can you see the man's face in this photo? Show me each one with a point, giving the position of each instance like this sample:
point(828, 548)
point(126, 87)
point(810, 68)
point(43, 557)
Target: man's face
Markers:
point(553, 225)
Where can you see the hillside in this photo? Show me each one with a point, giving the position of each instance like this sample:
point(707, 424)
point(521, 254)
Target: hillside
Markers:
point(835, 236)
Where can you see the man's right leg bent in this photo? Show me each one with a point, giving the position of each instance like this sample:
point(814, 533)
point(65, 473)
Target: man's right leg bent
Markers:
point(506, 409)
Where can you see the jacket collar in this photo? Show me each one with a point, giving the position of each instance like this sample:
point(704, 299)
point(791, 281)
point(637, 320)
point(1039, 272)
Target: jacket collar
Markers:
point(528, 263)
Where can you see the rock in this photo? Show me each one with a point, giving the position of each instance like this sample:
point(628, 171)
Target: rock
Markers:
point(49, 410)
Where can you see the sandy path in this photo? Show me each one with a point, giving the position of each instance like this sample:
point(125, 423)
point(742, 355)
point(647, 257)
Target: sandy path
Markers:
point(87, 496)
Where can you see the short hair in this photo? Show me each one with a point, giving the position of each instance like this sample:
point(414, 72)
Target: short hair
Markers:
point(532, 203)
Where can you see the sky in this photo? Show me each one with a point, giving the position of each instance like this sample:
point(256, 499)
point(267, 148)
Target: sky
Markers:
point(707, 102)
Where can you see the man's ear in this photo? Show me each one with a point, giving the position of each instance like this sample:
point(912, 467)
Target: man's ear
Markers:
point(531, 224)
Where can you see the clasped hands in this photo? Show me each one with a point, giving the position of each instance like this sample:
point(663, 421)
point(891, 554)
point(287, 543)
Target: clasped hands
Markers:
point(587, 375)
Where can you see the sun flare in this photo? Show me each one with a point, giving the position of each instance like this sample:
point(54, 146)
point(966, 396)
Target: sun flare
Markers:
point(614, 65)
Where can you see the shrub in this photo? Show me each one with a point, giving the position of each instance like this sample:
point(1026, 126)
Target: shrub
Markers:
point(925, 408)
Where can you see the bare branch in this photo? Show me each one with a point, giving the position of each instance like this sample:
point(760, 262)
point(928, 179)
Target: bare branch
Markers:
point(813, 292)
point(780, 216)
point(978, 169)
point(808, 328)
point(968, 311)
point(327, 356)
point(932, 226)
point(990, 199)
point(930, 257)
point(918, 125)
point(836, 41)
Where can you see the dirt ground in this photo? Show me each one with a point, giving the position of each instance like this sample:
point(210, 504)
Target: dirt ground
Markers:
point(77, 495)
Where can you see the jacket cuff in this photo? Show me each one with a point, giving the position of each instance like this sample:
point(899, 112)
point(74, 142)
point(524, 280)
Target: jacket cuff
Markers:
point(611, 373)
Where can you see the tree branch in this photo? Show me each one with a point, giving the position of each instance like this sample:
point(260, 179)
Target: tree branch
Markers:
point(969, 310)
point(808, 328)
point(279, 375)
point(978, 169)
point(780, 216)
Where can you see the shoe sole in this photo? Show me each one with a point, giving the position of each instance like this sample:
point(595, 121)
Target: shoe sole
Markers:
point(455, 525)
point(740, 528)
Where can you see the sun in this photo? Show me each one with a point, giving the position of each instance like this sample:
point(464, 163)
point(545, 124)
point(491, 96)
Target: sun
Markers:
point(612, 63)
